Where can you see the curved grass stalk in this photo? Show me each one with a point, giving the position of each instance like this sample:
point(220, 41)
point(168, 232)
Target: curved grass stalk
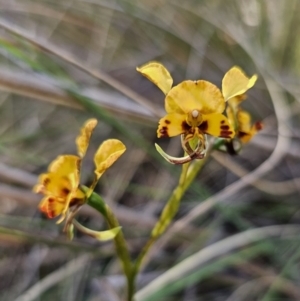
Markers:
point(228, 244)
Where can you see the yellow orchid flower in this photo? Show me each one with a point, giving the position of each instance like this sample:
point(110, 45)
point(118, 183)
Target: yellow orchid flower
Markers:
point(246, 130)
point(194, 108)
point(239, 118)
point(61, 184)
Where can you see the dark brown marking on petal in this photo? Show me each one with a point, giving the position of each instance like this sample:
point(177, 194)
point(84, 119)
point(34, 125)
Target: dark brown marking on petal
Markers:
point(225, 134)
point(242, 134)
point(167, 121)
point(223, 121)
point(49, 210)
point(65, 191)
point(51, 213)
point(258, 125)
point(224, 127)
point(46, 181)
point(185, 126)
point(203, 126)
point(164, 131)
point(51, 200)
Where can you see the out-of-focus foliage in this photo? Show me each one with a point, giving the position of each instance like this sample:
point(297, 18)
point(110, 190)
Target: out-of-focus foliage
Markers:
point(63, 62)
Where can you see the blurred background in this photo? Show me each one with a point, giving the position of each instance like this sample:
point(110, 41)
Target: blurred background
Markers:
point(63, 62)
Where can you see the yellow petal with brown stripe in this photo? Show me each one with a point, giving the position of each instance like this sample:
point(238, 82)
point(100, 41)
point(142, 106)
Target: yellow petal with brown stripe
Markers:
point(172, 125)
point(52, 206)
point(244, 121)
point(246, 129)
point(217, 125)
point(63, 177)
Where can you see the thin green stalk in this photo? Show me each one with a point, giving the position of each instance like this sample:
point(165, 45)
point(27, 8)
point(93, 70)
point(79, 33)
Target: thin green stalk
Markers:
point(97, 203)
point(194, 170)
point(188, 174)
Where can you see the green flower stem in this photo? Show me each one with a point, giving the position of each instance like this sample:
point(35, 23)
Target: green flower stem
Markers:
point(172, 205)
point(98, 203)
point(194, 170)
point(188, 174)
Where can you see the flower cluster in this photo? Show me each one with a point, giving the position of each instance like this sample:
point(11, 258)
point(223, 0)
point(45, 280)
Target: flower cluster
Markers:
point(61, 184)
point(195, 108)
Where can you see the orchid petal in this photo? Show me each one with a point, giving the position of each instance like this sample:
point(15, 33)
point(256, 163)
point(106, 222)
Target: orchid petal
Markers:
point(235, 83)
point(158, 75)
point(107, 154)
point(198, 95)
point(83, 139)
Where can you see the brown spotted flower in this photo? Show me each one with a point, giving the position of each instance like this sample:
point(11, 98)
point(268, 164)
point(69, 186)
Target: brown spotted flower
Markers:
point(194, 108)
point(60, 184)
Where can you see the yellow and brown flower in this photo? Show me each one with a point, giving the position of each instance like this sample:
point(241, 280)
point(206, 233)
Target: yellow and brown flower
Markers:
point(60, 184)
point(194, 108)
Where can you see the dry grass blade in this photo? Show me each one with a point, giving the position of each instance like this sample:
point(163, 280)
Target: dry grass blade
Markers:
point(74, 266)
point(95, 73)
point(192, 263)
point(275, 188)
